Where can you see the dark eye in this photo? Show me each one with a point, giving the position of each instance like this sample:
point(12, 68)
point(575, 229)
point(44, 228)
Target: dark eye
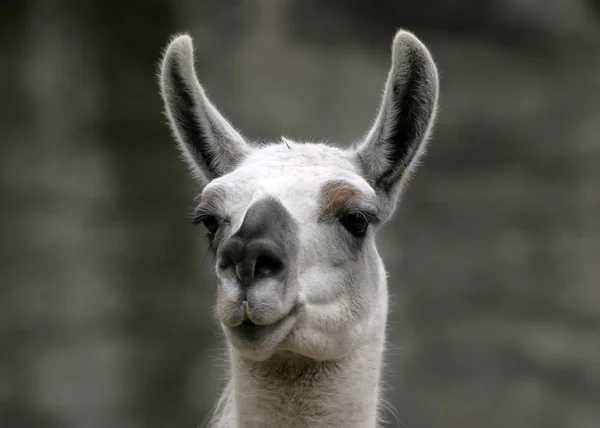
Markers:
point(211, 223)
point(355, 223)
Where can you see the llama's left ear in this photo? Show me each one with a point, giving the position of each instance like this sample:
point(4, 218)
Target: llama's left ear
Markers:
point(406, 116)
point(210, 145)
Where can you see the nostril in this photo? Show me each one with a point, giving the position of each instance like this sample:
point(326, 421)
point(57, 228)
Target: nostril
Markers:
point(246, 260)
point(267, 265)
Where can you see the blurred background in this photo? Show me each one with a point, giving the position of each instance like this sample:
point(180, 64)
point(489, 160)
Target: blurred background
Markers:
point(494, 255)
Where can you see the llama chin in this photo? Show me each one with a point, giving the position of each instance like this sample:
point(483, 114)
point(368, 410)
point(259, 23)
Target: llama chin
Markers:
point(302, 292)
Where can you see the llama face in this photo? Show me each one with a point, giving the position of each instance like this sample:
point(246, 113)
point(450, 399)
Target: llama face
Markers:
point(295, 243)
point(292, 225)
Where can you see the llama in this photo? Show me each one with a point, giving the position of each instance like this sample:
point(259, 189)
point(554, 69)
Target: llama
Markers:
point(302, 292)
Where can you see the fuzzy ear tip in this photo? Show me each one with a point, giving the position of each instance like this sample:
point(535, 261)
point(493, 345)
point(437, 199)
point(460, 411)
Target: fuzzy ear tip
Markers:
point(407, 44)
point(181, 44)
point(402, 36)
point(178, 54)
point(405, 41)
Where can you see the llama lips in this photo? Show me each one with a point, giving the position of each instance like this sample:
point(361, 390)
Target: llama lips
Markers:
point(246, 318)
point(263, 302)
point(255, 340)
point(246, 330)
point(251, 313)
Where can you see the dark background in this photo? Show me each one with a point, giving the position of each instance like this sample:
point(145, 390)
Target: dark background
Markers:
point(494, 255)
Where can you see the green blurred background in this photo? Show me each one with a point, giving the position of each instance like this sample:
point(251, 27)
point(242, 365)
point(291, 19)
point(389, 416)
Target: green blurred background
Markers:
point(494, 255)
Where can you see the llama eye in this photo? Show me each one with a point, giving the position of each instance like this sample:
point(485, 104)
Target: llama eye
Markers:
point(355, 223)
point(211, 223)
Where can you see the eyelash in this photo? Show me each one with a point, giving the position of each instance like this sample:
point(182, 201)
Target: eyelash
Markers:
point(198, 217)
point(357, 222)
point(369, 216)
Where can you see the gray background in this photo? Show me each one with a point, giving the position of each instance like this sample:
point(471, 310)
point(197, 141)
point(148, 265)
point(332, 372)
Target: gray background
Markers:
point(494, 255)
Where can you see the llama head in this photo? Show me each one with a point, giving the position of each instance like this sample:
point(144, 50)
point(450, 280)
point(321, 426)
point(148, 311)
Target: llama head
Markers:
point(292, 225)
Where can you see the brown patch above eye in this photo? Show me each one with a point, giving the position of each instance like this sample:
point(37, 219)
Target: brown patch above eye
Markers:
point(336, 196)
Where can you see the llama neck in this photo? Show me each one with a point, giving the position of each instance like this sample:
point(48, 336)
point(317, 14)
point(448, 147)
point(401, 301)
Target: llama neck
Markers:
point(297, 392)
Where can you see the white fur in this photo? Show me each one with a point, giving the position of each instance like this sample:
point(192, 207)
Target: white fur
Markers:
point(320, 364)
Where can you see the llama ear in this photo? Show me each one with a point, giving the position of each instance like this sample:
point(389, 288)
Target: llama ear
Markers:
point(210, 145)
point(406, 116)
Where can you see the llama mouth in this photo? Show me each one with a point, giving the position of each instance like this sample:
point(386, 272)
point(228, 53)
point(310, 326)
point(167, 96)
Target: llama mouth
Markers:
point(246, 320)
point(261, 336)
point(248, 324)
point(248, 336)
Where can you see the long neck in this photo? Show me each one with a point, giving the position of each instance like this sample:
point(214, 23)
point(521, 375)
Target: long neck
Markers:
point(295, 392)
point(290, 391)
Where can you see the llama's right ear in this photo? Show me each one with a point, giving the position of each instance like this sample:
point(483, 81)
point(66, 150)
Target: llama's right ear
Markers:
point(210, 145)
point(406, 116)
